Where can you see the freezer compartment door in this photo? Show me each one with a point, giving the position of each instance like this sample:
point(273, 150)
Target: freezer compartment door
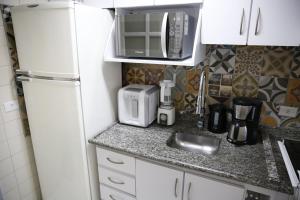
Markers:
point(46, 39)
point(56, 125)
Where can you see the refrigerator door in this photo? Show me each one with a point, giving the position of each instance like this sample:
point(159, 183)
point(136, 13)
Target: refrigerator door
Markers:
point(46, 39)
point(56, 124)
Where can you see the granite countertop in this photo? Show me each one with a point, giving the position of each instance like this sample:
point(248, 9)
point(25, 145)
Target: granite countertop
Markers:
point(259, 165)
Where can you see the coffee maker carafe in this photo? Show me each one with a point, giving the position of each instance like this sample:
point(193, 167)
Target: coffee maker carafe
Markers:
point(245, 121)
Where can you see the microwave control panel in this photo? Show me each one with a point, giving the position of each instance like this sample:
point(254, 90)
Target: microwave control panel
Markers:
point(176, 29)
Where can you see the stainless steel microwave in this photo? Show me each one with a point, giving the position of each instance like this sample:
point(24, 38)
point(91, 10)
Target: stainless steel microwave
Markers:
point(150, 34)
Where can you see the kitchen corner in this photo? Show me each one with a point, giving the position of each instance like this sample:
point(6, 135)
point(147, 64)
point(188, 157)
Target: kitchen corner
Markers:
point(149, 100)
point(259, 165)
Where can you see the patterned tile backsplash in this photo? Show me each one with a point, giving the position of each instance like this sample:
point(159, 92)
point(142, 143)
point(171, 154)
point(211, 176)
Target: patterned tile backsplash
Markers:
point(271, 74)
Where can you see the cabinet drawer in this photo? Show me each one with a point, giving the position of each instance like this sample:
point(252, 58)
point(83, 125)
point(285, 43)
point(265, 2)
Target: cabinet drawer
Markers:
point(116, 161)
point(108, 193)
point(116, 180)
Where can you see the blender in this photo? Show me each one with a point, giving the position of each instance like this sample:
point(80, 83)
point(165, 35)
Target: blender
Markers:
point(166, 110)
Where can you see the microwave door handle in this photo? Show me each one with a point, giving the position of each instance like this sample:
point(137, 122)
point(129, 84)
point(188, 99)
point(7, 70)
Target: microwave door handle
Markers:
point(163, 34)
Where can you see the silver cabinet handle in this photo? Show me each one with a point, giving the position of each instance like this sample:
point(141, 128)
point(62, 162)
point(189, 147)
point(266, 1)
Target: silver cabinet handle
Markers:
point(189, 191)
point(176, 183)
point(257, 22)
point(114, 162)
point(22, 72)
point(111, 197)
point(163, 37)
point(242, 22)
point(24, 78)
point(115, 181)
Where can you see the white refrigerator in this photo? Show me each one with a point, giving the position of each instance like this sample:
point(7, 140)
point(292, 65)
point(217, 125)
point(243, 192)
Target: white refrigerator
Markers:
point(70, 92)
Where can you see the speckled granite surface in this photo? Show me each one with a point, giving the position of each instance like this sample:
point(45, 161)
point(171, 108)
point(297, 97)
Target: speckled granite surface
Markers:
point(259, 165)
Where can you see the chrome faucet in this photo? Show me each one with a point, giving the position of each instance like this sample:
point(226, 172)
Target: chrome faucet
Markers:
point(200, 107)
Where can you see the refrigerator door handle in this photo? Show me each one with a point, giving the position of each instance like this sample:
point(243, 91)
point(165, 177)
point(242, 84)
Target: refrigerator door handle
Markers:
point(23, 72)
point(24, 78)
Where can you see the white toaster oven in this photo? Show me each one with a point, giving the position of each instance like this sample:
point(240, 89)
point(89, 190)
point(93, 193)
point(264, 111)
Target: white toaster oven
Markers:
point(138, 104)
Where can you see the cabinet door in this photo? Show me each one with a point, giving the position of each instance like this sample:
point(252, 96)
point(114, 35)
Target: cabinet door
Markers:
point(132, 3)
point(174, 2)
point(223, 23)
point(275, 22)
point(154, 182)
point(199, 188)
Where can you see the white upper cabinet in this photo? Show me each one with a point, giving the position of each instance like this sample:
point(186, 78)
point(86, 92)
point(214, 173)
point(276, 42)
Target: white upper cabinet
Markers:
point(132, 3)
point(155, 182)
point(171, 2)
point(275, 22)
point(196, 187)
point(272, 22)
point(226, 21)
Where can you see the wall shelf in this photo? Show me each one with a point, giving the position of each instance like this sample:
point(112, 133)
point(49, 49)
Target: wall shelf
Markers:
point(198, 54)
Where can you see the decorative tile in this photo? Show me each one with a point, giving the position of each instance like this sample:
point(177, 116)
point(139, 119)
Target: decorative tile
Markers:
point(293, 92)
point(245, 85)
point(291, 122)
point(277, 63)
point(222, 61)
point(214, 90)
point(269, 116)
point(214, 79)
point(249, 59)
point(226, 80)
point(210, 100)
point(190, 101)
point(154, 74)
point(279, 48)
point(178, 98)
point(295, 67)
point(225, 91)
point(124, 75)
point(233, 71)
point(272, 89)
point(135, 75)
point(222, 46)
point(193, 76)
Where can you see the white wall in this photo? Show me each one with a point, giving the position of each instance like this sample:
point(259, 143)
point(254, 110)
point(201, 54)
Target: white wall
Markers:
point(18, 176)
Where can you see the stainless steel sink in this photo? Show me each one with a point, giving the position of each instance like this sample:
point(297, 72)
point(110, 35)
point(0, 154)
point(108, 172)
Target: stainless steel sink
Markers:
point(194, 143)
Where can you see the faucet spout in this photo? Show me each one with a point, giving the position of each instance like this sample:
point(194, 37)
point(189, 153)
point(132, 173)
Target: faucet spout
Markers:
point(200, 108)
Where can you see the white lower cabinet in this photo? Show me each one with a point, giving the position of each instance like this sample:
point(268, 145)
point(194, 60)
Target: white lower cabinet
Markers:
point(199, 188)
point(162, 183)
point(155, 182)
point(108, 193)
point(124, 177)
point(117, 180)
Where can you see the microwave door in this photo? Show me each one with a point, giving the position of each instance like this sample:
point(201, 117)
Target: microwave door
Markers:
point(142, 35)
point(157, 38)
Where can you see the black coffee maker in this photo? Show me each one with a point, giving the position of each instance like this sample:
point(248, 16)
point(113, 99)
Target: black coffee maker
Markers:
point(245, 120)
point(217, 118)
point(253, 121)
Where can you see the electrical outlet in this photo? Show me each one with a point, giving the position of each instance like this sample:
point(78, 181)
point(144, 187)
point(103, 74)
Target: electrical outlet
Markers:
point(287, 111)
point(11, 106)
